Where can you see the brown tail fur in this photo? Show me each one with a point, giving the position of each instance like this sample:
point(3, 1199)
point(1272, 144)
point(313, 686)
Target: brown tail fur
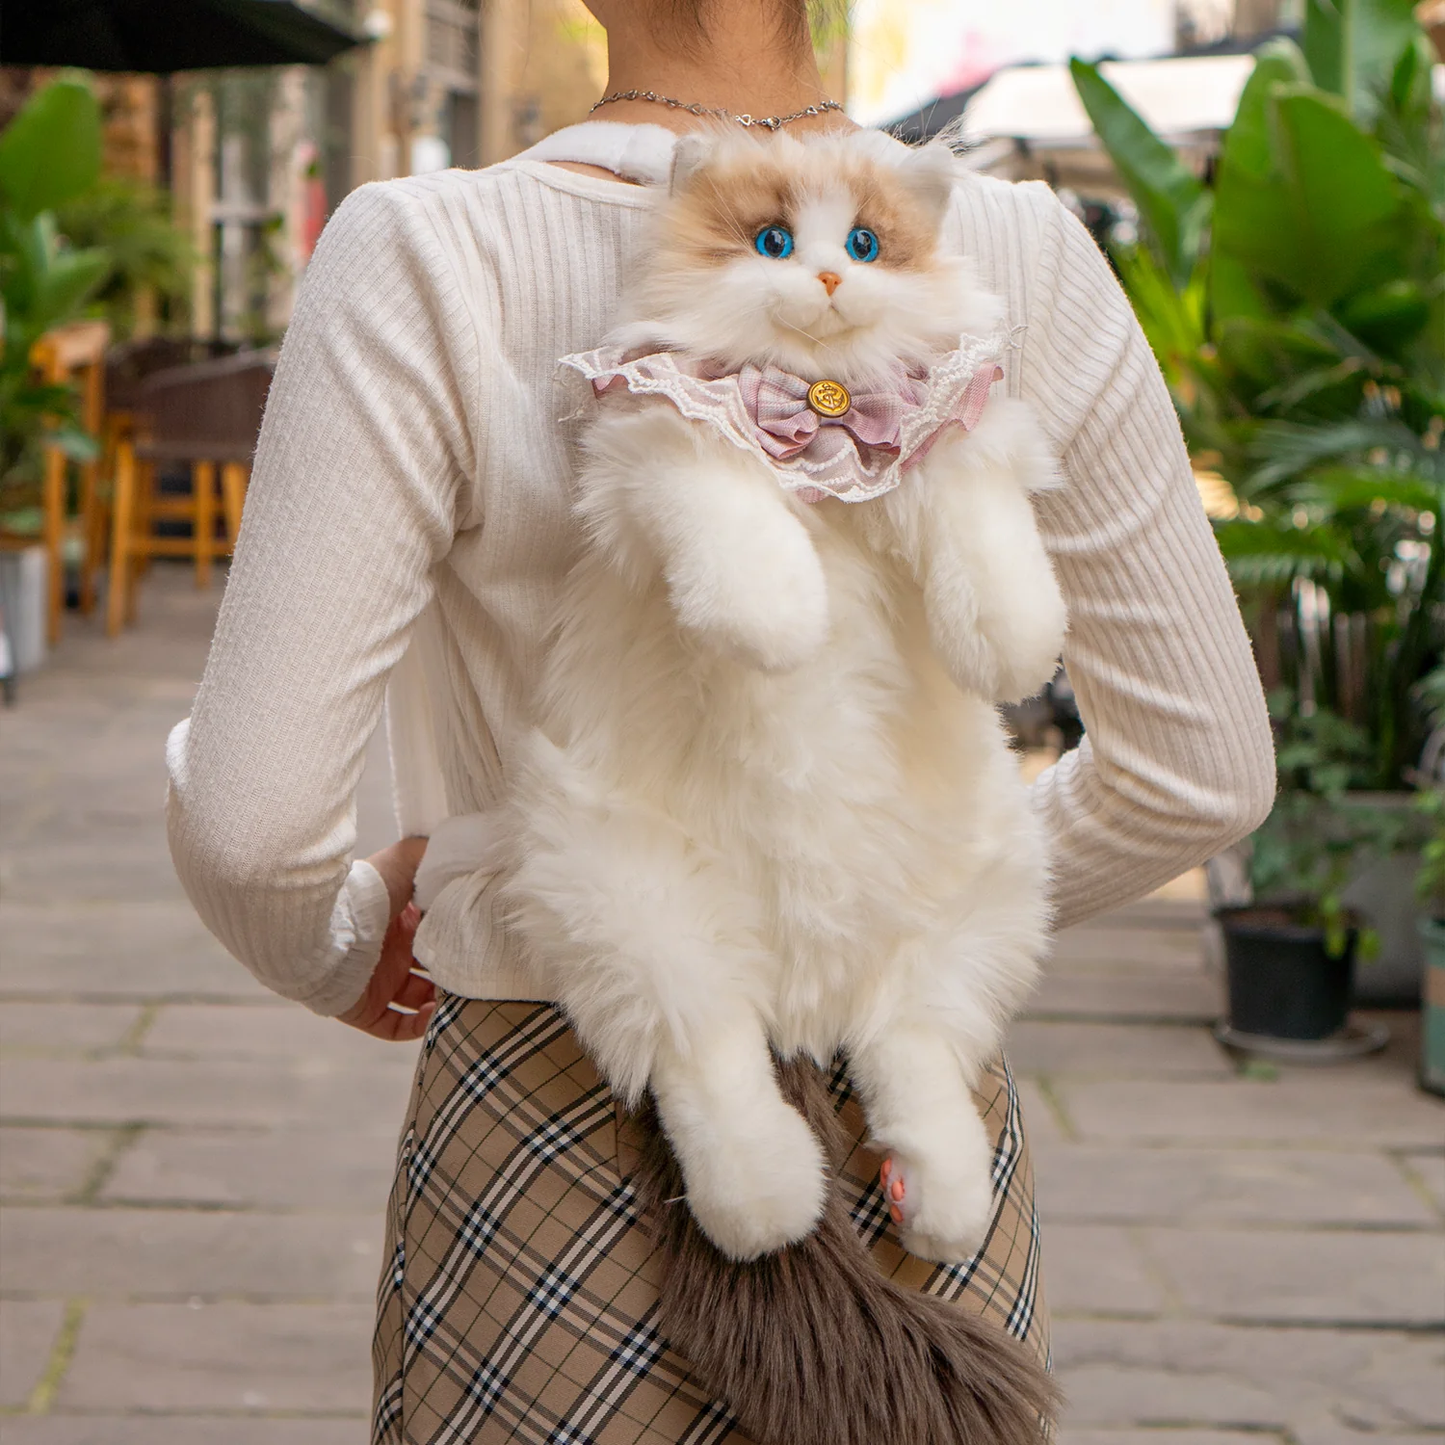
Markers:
point(813, 1346)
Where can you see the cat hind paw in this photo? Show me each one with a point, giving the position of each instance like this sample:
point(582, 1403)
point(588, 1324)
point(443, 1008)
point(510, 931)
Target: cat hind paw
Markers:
point(945, 1221)
point(766, 1193)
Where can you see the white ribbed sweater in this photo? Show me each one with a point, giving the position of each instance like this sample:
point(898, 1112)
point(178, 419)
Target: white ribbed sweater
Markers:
point(411, 487)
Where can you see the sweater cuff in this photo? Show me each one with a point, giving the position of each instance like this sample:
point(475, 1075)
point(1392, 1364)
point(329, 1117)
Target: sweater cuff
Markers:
point(358, 927)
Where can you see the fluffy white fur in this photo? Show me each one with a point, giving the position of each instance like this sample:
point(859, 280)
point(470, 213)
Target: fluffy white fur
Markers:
point(769, 804)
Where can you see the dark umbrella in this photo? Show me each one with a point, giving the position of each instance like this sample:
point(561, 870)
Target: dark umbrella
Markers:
point(163, 36)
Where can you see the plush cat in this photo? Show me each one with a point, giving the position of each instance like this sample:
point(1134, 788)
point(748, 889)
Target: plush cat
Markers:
point(769, 810)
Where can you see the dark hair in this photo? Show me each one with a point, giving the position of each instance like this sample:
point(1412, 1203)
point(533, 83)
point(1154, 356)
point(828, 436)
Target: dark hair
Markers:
point(689, 19)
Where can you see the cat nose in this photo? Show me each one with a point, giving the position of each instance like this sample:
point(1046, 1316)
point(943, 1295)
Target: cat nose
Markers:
point(831, 280)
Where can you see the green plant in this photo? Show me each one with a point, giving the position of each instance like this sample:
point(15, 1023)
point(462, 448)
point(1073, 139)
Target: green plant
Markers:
point(1308, 849)
point(1430, 880)
point(1296, 304)
point(130, 223)
point(49, 154)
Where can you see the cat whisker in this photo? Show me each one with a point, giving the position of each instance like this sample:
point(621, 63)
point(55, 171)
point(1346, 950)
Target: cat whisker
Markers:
point(816, 340)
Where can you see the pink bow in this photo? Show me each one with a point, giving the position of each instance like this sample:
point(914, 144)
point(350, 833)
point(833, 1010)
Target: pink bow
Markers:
point(777, 402)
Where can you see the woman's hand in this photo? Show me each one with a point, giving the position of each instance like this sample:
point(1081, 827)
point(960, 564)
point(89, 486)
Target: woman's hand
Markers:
point(397, 866)
point(394, 987)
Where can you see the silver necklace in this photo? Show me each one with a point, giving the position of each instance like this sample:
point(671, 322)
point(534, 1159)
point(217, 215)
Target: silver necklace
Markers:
point(768, 122)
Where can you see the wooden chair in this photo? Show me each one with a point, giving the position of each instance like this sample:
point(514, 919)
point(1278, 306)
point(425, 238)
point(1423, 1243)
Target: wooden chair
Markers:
point(207, 416)
point(72, 353)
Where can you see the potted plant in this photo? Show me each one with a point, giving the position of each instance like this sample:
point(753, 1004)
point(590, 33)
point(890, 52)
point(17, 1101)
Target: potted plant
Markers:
point(1291, 951)
point(1430, 889)
point(1293, 299)
point(49, 154)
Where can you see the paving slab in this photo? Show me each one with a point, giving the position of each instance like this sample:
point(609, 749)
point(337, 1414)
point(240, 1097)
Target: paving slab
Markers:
point(1115, 1050)
point(65, 1027)
point(1122, 1395)
point(301, 1168)
point(1211, 1186)
point(1338, 1109)
point(1182, 1204)
point(275, 1030)
point(1429, 1171)
point(1332, 1277)
point(1099, 1270)
point(1377, 1374)
point(223, 1091)
point(138, 950)
point(28, 1330)
point(111, 1429)
point(1181, 905)
point(221, 1358)
point(1167, 1437)
point(1041, 1119)
point(161, 1253)
point(1147, 997)
point(1102, 947)
point(48, 1163)
point(98, 865)
point(1325, 1430)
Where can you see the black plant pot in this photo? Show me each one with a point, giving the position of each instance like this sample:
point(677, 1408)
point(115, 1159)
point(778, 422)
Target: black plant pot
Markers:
point(1283, 984)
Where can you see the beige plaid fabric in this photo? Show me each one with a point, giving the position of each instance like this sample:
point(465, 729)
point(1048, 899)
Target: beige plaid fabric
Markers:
point(519, 1297)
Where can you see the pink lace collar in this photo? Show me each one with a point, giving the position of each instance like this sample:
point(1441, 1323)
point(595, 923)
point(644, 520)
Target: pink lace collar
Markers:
point(821, 440)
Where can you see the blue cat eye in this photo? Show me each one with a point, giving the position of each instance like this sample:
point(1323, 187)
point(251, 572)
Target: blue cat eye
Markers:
point(774, 242)
point(862, 244)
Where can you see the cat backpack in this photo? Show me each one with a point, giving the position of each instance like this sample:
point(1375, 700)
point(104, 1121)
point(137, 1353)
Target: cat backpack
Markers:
point(768, 815)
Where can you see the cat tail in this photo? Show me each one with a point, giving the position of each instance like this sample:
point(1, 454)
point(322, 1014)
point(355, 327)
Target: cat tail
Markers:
point(813, 1345)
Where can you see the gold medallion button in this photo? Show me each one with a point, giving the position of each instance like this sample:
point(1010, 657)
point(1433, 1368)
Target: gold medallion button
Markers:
point(829, 398)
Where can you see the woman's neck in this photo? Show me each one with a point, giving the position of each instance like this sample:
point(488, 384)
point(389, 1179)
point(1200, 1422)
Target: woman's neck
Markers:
point(742, 65)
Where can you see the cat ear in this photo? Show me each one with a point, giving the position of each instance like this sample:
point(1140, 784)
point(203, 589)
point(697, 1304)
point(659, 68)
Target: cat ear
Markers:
point(929, 172)
point(690, 152)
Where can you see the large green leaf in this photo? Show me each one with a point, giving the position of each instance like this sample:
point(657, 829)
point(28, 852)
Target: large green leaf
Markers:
point(67, 284)
point(1286, 449)
point(1407, 126)
point(1352, 47)
point(50, 152)
point(1327, 218)
point(1242, 186)
point(1173, 203)
point(1361, 488)
point(1265, 349)
point(1389, 317)
point(1233, 295)
point(1261, 553)
point(1172, 316)
point(1248, 147)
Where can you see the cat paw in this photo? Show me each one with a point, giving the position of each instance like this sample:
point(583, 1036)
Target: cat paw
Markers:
point(769, 610)
point(944, 1219)
point(999, 659)
point(762, 1193)
point(1027, 649)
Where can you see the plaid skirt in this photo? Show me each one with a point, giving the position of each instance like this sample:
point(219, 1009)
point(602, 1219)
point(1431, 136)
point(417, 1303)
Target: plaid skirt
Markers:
point(518, 1300)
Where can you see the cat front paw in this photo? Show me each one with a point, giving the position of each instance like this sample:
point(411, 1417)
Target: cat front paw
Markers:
point(943, 1214)
point(757, 1192)
point(767, 606)
point(1004, 656)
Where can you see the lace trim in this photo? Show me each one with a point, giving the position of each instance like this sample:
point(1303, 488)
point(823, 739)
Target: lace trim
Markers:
point(954, 392)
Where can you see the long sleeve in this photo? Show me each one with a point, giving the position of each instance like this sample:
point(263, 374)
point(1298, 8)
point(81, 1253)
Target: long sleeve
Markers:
point(363, 474)
point(1177, 760)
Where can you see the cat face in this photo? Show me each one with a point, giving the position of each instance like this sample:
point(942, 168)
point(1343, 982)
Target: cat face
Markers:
point(819, 255)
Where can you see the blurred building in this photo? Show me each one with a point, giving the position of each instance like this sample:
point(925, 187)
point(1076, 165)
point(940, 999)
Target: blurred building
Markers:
point(908, 56)
point(257, 160)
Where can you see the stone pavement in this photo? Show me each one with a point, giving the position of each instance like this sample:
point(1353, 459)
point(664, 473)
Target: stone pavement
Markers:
point(193, 1172)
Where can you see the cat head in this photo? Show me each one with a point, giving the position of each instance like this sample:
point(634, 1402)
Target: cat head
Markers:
point(819, 254)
